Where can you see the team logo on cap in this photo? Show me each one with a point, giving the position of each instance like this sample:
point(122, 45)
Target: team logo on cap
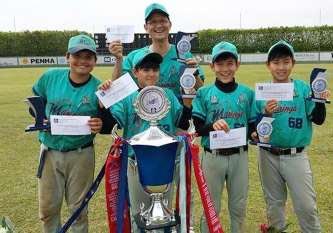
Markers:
point(84, 41)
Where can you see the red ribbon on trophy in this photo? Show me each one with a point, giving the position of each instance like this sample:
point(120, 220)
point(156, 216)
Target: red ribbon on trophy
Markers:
point(213, 222)
point(112, 178)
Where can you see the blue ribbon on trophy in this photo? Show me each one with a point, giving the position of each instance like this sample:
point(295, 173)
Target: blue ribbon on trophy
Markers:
point(37, 110)
point(155, 152)
point(319, 84)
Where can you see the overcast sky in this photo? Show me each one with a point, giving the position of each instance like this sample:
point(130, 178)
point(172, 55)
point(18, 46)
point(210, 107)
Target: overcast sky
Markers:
point(186, 15)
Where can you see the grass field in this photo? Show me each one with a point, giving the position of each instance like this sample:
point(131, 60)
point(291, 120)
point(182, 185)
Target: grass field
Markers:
point(19, 152)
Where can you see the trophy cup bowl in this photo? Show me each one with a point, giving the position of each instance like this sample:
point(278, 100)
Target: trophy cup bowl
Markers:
point(155, 153)
point(156, 171)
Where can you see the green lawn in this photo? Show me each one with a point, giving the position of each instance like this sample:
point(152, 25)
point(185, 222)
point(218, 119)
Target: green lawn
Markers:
point(19, 153)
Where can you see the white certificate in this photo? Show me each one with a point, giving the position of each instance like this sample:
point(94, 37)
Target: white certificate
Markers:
point(120, 88)
point(69, 125)
point(234, 138)
point(278, 91)
point(124, 33)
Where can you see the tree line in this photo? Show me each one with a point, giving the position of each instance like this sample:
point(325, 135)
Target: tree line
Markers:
point(54, 43)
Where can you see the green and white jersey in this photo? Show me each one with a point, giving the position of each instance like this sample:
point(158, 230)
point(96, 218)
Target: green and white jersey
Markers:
point(292, 125)
point(169, 69)
point(64, 99)
point(236, 108)
point(132, 124)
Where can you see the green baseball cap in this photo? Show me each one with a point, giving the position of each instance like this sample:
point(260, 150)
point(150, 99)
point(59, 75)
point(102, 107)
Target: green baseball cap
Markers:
point(224, 47)
point(281, 44)
point(146, 55)
point(153, 8)
point(81, 42)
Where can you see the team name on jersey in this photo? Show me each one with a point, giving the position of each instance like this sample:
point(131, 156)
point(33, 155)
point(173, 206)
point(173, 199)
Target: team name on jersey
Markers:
point(59, 110)
point(288, 109)
point(63, 106)
point(221, 113)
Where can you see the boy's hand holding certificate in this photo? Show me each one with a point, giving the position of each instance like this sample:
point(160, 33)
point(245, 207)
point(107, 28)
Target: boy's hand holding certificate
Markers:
point(120, 88)
point(69, 125)
point(234, 138)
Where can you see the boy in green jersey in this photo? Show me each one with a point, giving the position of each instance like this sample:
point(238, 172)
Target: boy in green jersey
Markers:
point(286, 164)
point(225, 105)
point(146, 71)
point(68, 162)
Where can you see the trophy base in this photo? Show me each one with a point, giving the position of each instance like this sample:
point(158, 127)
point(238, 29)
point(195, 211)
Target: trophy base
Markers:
point(31, 128)
point(318, 100)
point(261, 144)
point(142, 223)
point(188, 96)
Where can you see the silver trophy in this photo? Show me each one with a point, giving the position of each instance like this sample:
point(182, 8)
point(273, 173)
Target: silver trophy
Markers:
point(319, 84)
point(187, 79)
point(37, 110)
point(187, 83)
point(184, 46)
point(265, 129)
point(155, 152)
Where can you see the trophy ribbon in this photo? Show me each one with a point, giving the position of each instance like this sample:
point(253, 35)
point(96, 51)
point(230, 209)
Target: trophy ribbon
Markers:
point(115, 167)
point(212, 218)
point(116, 189)
point(183, 191)
point(181, 200)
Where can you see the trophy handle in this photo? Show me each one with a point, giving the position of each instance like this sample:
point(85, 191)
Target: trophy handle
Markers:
point(191, 131)
point(114, 134)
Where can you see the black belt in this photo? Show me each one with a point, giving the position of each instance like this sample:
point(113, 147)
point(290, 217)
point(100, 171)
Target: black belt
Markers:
point(280, 151)
point(68, 150)
point(227, 151)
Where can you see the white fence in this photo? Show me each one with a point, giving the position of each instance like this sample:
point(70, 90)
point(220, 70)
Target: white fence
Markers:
point(202, 58)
